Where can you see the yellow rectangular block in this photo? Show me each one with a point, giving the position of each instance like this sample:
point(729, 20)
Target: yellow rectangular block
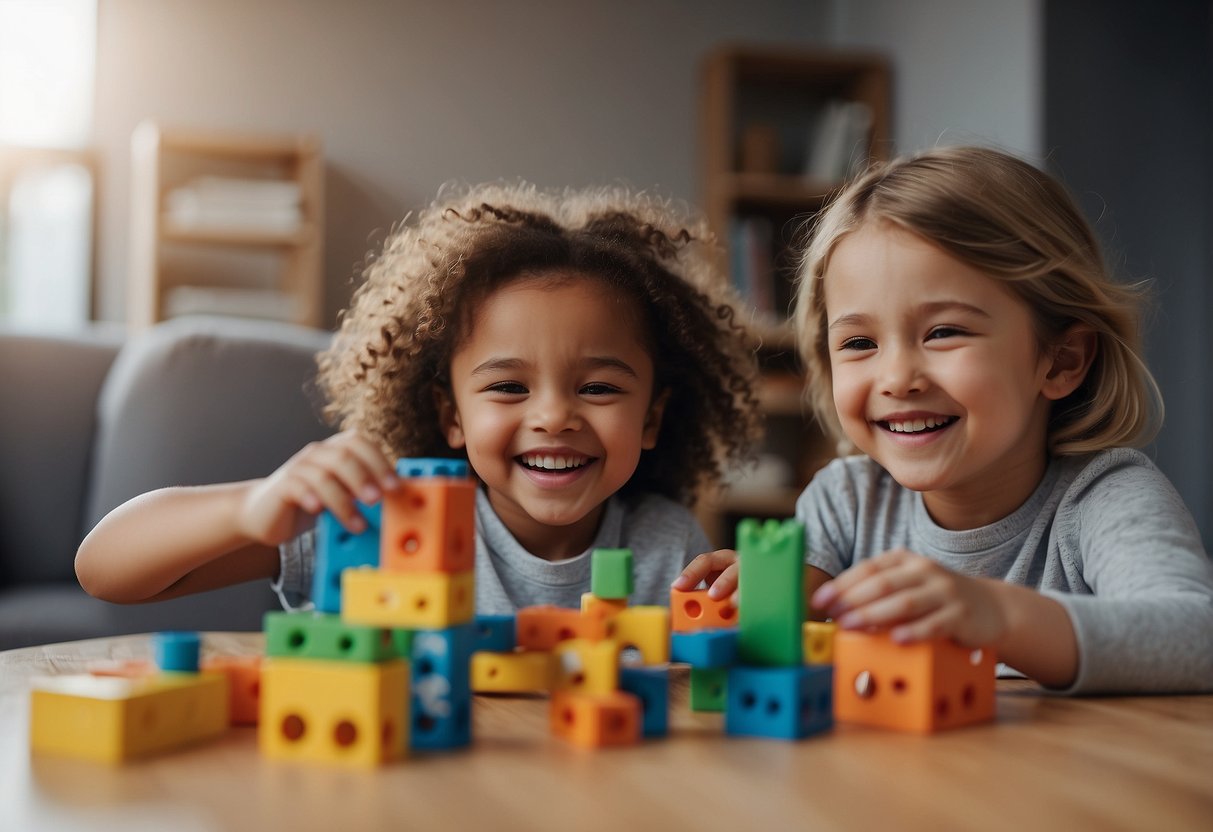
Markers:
point(529, 671)
point(411, 600)
point(603, 609)
point(334, 712)
point(112, 719)
point(645, 628)
point(585, 666)
point(818, 637)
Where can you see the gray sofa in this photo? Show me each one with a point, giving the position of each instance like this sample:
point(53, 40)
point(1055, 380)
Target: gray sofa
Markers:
point(92, 418)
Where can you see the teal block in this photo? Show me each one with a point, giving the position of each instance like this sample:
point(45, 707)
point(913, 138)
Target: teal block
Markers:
point(611, 573)
point(771, 557)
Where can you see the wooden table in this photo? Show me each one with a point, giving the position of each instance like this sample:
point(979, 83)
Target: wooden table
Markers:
point(1143, 763)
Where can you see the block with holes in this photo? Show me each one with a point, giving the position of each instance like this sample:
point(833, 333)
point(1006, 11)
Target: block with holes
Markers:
point(338, 549)
point(413, 467)
point(787, 703)
point(442, 690)
point(596, 720)
point(771, 575)
point(495, 633)
point(543, 627)
point(244, 685)
point(112, 719)
point(645, 629)
point(305, 635)
point(651, 685)
point(818, 639)
point(611, 574)
point(410, 600)
point(923, 687)
point(705, 648)
point(709, 688)
point(334, 712)
point(603, 609)
point(523, 671)
point(692, 610)
point(429, 526)
point(585, 666)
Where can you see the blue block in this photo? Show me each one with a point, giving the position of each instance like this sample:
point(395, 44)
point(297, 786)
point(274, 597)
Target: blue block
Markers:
point(338, 549)
point(431, 467)
point(441, 692)
point(705, 648)
point(781, 702)
point(495, 633)
point(176, 651)
point(652, 685)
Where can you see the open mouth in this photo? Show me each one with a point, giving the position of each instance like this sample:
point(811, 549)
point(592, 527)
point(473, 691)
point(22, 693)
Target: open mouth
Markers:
point(553, 462)
point(928, 425)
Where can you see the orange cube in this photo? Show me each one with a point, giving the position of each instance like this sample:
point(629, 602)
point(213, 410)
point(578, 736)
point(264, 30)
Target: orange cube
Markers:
point(244, 685)
point(543, 627)
point(922, 687)
point(596, 720)
point(692, 610)
point(429, 525)
point(602, 608)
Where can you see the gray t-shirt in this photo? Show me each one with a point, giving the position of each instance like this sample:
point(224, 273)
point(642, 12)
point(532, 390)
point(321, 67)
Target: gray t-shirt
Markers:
point(1105, 535)
point(663, 535)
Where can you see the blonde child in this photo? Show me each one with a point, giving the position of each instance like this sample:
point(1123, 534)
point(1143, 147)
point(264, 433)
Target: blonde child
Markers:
point(960, 330)
point(576, 347)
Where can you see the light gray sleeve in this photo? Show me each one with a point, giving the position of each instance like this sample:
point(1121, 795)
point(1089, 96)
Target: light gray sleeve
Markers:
point(664, 536)
point(296, 560)
point(828, 508)
point(1148, 626)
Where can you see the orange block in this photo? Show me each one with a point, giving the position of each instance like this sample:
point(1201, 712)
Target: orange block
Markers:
point(429, 525)
point(923, 687)
point(602, 608)
point(543, 627)
point(596, 720)
point(244, 685)
point(692, 610)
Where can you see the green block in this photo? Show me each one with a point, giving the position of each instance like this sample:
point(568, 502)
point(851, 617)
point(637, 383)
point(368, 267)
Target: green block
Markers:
point(611, 573)
point(771, 559)
point(305, 635)
point(709, 688)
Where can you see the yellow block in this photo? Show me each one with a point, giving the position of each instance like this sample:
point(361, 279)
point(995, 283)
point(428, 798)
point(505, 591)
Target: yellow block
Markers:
point(529, 671)
point(112, 719)
point(412, 600)
point(603, 609)
point(334, 712)
point(818, 639)
point(645, 628)
point(585, 666)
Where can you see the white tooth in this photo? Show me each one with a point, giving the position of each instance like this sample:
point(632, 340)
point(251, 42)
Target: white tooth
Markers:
point(561, 462)
point(929, 421)
point(919, 424)
point(548, 462)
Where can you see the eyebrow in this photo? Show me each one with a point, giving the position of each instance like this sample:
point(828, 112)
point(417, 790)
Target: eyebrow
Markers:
point(594, 362)
point(932, 308)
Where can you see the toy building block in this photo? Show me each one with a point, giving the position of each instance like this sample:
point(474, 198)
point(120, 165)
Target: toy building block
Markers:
point(611, 574)
point(645, 629)
point(244, 685)
point(782, 702)
point(603, 609)
point(123, 668)
point(524, 671)
point(442, 688)
point(494, 633)
point(429, 525)
point(922, 687)
point(543, 627)
point(692, 610)
point(596, 720)
point(176, 651)
point(338, 549)
point(705, 648)
point(651, 685)
point(304, 635)
point(584, 666)
point(334, 712)
point(431, 467)
point(771, 557)
point(114, 719)
point(818, 638)
point(412, 600)
point(709, 688)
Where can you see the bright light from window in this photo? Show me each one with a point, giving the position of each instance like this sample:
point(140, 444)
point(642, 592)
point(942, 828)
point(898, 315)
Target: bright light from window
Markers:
point(47, 60)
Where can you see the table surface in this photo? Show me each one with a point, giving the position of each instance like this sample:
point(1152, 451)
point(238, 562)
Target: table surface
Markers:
point(1048, 762)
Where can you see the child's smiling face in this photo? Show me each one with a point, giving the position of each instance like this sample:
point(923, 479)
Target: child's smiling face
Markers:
point(937, 374)
point(554, 402)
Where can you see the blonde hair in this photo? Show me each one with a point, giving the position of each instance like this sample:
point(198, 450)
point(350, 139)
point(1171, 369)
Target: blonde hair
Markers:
point(420, 295)
point(1017, 225)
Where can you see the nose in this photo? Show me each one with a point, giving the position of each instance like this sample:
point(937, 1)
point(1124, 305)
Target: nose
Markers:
point(553, 411)
point(901, 373)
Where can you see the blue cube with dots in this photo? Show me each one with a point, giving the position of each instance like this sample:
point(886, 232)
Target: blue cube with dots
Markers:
point(441, 695)
point(177, 651)
point(781, 702)
point(652, 686)
point(431, 467)
point(495, 633)
point(705, 648)
point(338, 549)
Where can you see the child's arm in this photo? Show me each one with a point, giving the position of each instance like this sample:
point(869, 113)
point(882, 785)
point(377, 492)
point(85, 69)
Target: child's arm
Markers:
point(919, 599)
point(720, 569)
point(178, 541)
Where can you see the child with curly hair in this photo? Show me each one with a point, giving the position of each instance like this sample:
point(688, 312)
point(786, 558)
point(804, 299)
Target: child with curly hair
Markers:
point(576, 346)
point(961, 331)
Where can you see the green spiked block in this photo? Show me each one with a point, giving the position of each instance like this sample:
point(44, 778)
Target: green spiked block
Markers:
point(305, 635)
point(709, 688)
point(771, 558)
point(611, 573)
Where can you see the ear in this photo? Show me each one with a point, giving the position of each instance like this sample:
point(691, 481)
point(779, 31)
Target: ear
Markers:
point(652, 420)
point(1072, 354)
point(448, 417)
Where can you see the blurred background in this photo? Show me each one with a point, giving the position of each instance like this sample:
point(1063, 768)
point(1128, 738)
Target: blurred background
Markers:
point(360, 110)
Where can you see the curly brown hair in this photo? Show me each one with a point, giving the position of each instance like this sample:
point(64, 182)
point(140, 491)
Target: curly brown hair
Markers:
point(394, 346)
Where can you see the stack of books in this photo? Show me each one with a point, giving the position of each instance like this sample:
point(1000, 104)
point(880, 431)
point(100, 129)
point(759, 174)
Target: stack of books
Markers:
point(212, 203)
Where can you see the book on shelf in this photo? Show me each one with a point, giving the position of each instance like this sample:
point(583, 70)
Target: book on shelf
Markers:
point(217, 203)
point(838, 142)
point(751, 262)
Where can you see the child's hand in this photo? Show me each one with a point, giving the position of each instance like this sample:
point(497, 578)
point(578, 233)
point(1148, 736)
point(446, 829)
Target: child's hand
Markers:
point(917, 598)
point(718, 568)
point(331, 475)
